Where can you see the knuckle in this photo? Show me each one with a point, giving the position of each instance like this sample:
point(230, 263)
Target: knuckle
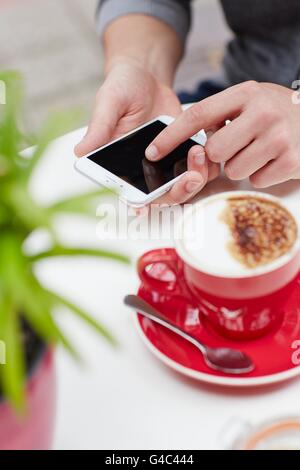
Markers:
point(250, 88)
point(195, 113)
point(266, 115)
point(213, 150)
point(282, 140)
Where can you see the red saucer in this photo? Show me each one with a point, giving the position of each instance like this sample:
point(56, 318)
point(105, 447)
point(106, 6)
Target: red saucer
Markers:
point(275, 355)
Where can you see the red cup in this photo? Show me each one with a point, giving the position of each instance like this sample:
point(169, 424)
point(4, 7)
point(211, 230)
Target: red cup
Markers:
point(240, 307)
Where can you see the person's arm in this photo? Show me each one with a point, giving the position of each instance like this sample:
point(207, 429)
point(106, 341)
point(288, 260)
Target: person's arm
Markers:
point(155, 36)
point(143, 43)
point(141, 55)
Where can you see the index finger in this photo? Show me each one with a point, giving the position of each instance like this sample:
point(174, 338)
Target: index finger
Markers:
point(203, 115)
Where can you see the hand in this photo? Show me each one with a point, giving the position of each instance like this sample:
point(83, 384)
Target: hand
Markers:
point(200, 172)
point(262, 141)
point(129, 97)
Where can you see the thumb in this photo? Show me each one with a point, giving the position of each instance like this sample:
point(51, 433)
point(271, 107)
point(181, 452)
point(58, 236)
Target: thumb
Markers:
point(105, 118)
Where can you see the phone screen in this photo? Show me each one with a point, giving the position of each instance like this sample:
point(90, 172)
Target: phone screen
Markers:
point(126, 159)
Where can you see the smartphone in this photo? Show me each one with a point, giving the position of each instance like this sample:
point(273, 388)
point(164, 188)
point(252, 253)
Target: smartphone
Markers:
point(122, 166)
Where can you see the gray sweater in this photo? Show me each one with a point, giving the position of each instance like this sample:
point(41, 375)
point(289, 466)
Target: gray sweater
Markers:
point(266, 43)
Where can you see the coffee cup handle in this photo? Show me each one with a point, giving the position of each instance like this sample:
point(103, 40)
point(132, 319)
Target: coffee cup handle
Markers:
point(167, 257)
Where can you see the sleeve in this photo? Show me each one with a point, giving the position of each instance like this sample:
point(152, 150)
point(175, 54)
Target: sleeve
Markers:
point(176, 13)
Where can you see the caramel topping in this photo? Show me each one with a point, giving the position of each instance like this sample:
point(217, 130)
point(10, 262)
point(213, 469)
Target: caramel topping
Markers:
point(261, 230)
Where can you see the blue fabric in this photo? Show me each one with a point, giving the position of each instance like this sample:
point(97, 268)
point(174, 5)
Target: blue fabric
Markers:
point(266, 43)
point(204, 90)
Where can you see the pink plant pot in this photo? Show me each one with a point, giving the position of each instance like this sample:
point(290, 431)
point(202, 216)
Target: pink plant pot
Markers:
point(34, 431)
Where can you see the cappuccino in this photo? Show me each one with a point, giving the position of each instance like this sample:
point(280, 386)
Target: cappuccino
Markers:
point(239, 234)
point(261, 230)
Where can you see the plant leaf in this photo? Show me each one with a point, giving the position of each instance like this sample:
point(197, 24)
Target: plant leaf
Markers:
point(83, 315)
point(13, 372)
point(29, 295)
point(38, 313)
point(79, 203)
point(29, 213)
point(56, 125)
point(37, 310)
point(66, 251)
point(10, 137)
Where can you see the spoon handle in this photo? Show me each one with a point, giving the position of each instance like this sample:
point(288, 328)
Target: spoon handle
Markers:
point(140, 305)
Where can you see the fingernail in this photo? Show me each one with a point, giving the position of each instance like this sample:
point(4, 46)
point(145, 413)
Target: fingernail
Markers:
point(152, 152)
point(199, 158)
point(193, 186)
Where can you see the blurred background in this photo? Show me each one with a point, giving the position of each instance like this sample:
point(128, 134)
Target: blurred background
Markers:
point(55, 45)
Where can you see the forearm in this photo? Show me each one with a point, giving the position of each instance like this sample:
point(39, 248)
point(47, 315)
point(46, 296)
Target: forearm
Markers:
point(145, 41)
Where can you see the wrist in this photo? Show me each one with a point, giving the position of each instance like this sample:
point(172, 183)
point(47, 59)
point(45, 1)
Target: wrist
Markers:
point(144, 42)
point(148, 64)
point(119, 60)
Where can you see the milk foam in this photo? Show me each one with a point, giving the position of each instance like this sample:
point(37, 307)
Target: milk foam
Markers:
point(205, 238)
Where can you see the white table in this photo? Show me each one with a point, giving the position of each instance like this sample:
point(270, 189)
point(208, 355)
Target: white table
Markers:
point(126, 399)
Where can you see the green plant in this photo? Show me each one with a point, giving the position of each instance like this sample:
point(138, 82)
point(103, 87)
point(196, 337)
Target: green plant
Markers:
point(21, 293)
